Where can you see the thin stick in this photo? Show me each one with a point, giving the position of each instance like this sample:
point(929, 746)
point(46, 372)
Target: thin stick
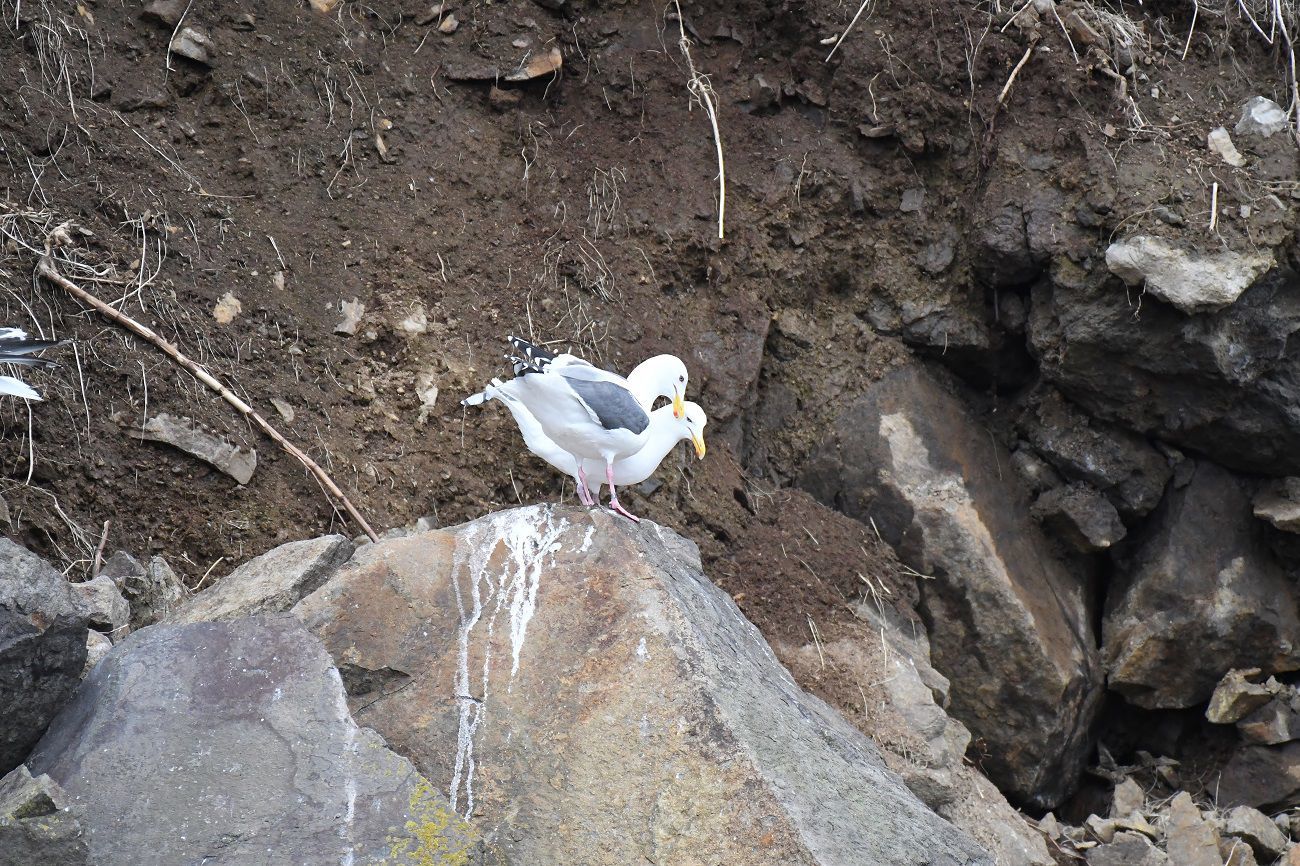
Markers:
point(99, 552)
point(861, 9)
point(1214, 207)
point(1196, 10)
point(47, 269)
point(700, 88)
point(1006, 88)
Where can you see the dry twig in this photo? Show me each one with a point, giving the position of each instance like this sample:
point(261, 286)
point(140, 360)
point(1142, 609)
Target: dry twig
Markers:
point(47, 269)
point(703, 91)
point(99, 552)
point(1011, 79)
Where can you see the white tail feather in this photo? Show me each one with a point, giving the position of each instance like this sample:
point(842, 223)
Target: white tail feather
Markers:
point(9, 386)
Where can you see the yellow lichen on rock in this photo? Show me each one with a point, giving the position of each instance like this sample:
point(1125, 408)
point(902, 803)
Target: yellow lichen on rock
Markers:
point(433, 837)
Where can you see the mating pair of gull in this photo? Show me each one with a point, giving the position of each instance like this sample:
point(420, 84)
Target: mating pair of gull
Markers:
point(16, 349)
point(580, 418)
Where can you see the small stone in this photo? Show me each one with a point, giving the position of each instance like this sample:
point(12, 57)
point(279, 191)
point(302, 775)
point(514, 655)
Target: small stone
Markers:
point(415, 324)
point(1190, 840)
point(1236, 696)
point(1168, 216)
point(1256, 830)
point(244, 21)
point(538, 65)
point(97, 646)
point(184, 434)
point(1103, 829)
point(1293, 856)
point(1128, 849)
point(1235, 852)
point(913, 200)
point(1276, 722)
point(763, 94)
point(1128, 798)
point(1080, 516)
point(284, 409)
point(1050, 827)
point(448, 25)
point(1279, 504)
point(324, 6)
point(165, 12)
point(1221, 143)
point(102, 603)
point(1261, 116)
point(227, 309)
point(192, 44)
point(352, 312)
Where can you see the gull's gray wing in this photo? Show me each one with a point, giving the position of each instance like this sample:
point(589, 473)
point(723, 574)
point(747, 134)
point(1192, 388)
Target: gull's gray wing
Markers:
point(611, 403)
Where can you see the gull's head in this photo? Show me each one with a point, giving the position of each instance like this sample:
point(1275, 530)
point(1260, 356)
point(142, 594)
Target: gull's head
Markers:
point(661, 376)
point(693, 422)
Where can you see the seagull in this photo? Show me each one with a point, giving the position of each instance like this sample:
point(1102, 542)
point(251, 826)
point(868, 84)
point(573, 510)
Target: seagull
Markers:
point(665, 432)
point(593, 414)
point(16, 349)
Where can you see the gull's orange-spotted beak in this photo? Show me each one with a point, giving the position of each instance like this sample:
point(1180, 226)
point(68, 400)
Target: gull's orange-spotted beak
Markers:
point(698, 441)
point(679, 408)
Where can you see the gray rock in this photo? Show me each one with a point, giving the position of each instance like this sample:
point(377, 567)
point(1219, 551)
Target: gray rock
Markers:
point(1122, 465)
point(42, 649)
point(120, 566)
point(38, 827)
point(165, 12)
point(1127, 849)
point(242, 730)
point(1034, 471)
point(1225, 384)
point(103, 606)
point(193, 43)
point(1261, 116)
point(1266, 777)
point(1190, 840)
point(153, 594)
point(1127, 798)
point(1234, 852)
point(1201, 577)
point(1190, 281)
point(1236, 696)
point(1279, 504)
point(1080, 517)
point(624, 714)
point(1009, 624)
point(1002, 254)
point(1220, 142)
point(1257, 830)
point(97, 648)
point(1276, 722)
point(184, 434)
point(270, 583)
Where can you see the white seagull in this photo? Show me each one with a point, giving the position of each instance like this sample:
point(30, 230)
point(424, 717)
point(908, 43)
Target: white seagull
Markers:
point(593, 414)
point(665, 432)
point(16, 349)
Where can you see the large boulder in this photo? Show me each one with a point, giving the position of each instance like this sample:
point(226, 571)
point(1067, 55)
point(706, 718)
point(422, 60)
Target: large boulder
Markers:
point(270, 583)
point(1225, 383)
point(1189, 280)
point(1009, 624)
point(588, 696)
point(231, 743)
point(42, 649)
point(1201, 579)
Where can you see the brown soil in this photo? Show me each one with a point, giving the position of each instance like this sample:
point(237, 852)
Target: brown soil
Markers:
point(330, 157)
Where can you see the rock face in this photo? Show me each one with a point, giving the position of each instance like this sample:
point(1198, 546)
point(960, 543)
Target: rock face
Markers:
point(38, 825)
point(1266, 777)
point(1226, 384)
point(1200, 578)
point(1008, 623)
point(1079, 516)
point(270, 583)
point(242, 731)
point(579, 687)
point(1191, 282)
point(1279, 504)
point(42, 649)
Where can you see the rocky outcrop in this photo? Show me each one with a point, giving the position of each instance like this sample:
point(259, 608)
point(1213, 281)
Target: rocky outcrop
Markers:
point(1201, 577)
point(1222, 383)
point(270, 583)
point(242, 731)
point(1008, 623)
point(602, 689)
point(38, 823)
point(42, 649)
point(1266, 777)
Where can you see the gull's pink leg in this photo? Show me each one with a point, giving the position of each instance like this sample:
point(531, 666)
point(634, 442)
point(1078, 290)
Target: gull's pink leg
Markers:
point(613, 495)
point(584, 494)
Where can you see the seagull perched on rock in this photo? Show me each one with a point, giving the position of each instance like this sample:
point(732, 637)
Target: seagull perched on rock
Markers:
point(589, 413)
point(665, 432)
point(16, 349)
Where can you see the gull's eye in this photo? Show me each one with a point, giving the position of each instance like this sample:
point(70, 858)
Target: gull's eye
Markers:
point(681, 378)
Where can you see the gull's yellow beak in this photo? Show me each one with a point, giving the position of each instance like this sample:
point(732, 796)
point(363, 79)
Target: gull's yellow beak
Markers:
point(698, 441)
point(679, 408)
